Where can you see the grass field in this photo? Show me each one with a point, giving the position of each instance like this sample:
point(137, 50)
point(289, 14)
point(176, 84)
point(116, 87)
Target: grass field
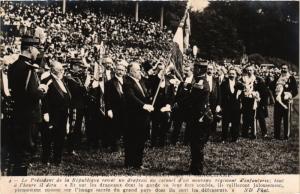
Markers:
point(259, 156)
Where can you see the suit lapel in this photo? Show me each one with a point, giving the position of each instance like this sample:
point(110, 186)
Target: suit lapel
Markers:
point(213, 80)
point(228, 86)
point(143, 87)
point(137, 87)
point(68, 91)
point(56, 86)
point(116, 84)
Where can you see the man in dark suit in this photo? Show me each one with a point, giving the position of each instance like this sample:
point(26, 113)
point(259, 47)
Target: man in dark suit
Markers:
point(55, 108)
point(180, 111)
point(284, 89)
point(96, 120)
point(138, 109)
point(26, 92)
point(231, 109)
point(162, 106)
point(214, 98)
point(114, 103)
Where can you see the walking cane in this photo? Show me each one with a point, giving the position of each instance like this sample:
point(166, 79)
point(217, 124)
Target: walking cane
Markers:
point(255, 123)
point(289, 118)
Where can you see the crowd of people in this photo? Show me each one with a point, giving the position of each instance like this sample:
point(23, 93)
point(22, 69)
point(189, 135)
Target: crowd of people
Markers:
point(101, 81)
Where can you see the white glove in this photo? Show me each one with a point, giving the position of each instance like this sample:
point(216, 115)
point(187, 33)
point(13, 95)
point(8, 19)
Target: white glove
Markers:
point(287, 96)
point(46, 117)
point(166, 108)
point(238, 93)
point(110, 114)
point(174, 81)
point(200, 84)
point(44, 88)
point(148, 107)
point(201, 119)
point(95, 84)
point(218, 108)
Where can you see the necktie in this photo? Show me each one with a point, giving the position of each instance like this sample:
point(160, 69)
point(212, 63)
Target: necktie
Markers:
point(120, 86)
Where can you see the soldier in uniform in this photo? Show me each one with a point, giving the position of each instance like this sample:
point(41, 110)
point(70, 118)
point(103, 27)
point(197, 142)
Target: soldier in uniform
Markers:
point(284, 90)
point(201, 118)
point(6, 117)
point(75, 83)
point(26, 91)
point(180, 111)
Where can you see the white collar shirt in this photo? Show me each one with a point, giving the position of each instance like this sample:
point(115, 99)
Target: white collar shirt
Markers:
point(231, 85)
point(60, 83)
point(209, 80)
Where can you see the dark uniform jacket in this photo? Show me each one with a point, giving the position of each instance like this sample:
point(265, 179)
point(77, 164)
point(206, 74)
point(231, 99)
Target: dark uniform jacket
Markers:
point(24, 84)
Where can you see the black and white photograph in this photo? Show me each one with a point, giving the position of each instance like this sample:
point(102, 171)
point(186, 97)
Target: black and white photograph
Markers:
point(149, 88)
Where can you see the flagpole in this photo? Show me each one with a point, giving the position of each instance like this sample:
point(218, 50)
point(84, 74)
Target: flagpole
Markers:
point(162, 17)
point(160, 81)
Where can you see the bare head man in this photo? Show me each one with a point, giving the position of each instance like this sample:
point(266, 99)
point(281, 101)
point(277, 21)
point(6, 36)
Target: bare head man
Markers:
point(134, 69)
point(57, 69)
point(120, 70)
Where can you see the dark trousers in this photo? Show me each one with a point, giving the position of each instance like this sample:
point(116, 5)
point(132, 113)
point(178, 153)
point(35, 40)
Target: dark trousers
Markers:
point(178, 119)
point(46, 137)
point(95, 123)
point(280, 113)
point(177, 126)
point(199, 136)
point(248, 118)
point(74, 137)
point(19, 144)
point(160, 127)
point(134, 142)
point(213, 125)
point(6, 127)
point(261, 114)
point(54, 132)
point(262, 125)
point(134, 148)
point(232, 117)
point(114, 131)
